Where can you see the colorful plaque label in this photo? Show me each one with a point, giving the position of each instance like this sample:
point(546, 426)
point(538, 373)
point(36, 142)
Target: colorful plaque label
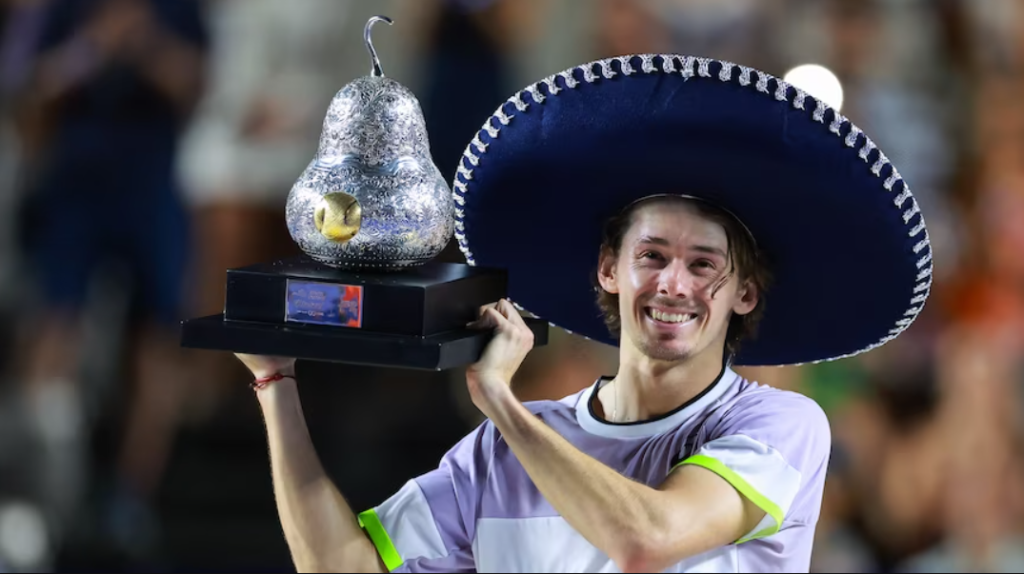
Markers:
point(324, 304)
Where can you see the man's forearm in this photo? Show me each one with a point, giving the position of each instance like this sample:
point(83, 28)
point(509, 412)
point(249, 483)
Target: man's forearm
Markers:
point(322, 531)
point(617, 515)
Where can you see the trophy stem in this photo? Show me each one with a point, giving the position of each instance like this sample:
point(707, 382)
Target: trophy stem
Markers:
point(376, 72)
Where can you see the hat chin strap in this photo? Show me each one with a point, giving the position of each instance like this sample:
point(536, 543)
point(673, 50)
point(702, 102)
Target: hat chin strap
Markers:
point(695, 198)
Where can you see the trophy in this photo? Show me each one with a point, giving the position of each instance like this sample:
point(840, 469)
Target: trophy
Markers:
point(370, 212)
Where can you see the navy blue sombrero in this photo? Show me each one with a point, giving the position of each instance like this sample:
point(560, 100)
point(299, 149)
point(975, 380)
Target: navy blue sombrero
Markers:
point(846, 239)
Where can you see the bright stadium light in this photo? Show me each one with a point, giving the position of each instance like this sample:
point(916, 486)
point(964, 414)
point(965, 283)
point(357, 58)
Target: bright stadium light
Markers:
point(819, 82)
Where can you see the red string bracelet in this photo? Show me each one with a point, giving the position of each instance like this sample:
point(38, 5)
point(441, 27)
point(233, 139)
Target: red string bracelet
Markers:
point(261, 383)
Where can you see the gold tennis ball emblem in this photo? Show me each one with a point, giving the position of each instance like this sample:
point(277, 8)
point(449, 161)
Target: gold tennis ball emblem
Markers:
point(338, 216)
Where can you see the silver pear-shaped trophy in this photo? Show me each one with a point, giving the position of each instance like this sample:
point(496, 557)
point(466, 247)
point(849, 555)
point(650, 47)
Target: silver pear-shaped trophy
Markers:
point(372, 197)
point(370, 212)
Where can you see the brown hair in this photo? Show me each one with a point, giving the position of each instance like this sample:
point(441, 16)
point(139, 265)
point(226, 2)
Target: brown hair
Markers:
point(745, 259)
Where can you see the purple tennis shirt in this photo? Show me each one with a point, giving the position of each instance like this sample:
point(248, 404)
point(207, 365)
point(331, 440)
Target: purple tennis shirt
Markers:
point(480, 512)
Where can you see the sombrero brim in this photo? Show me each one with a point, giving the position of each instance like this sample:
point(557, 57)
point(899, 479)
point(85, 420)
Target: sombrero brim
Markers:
point(846, 239)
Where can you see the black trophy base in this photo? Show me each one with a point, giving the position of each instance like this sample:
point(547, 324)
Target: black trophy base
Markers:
point(444, 351)
point(408, 319)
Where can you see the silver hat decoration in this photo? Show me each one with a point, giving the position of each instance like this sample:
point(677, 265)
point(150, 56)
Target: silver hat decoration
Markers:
point(372, 197)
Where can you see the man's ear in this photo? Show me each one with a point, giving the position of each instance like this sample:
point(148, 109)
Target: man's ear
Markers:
point(746, 299)
point(606, 276)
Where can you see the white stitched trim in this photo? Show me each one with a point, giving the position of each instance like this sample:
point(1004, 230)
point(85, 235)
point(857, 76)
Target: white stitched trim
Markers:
point(879, 164)
point(460, 226)
point(922, 244)
point(704, 67)
point(819, 112)
point(491, 130)
point(688, 63)
point(851, 138)
point(917, 229)
point(647, 64)
point(745, 75)
point(552, 85)
point(570, 80)
point(892, 179)
point(534, 90)
point(725, 74)
point(480, 145)
point(781, 91)
point(606, 69)
point(762, 82)
point(459, 214)
point(460, 200)
point(798, 101)
point(517, 101)
point(837, 124)
point(502, 116)
point(914, 209)
point(625, 66)
point(902, 197)
point(866, 150)
point(668, 64)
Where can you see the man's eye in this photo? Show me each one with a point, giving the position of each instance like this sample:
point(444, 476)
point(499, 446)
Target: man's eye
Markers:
point(650, 255)
point(704, 264)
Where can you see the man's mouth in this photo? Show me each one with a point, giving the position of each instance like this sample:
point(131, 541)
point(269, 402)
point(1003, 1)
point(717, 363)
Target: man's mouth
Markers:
point(669, 317)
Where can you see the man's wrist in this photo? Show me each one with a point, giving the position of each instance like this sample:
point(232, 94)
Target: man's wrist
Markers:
point(277, 389)
point(288, 371)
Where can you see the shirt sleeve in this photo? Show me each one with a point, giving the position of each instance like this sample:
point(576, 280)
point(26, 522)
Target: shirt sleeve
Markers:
point(429, 525)
point(773, 448)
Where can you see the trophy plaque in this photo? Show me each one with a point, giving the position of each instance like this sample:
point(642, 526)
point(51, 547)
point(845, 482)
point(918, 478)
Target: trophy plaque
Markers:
point(370, 213)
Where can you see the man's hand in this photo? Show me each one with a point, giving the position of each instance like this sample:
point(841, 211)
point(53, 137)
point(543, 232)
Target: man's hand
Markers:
point(490, 377)
point(261, 366)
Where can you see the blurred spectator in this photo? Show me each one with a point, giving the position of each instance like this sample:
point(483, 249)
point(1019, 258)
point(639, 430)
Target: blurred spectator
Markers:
point(274, 67)
point(112, 85)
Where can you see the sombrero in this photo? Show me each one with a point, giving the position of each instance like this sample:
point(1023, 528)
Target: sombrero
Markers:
point(850, 254)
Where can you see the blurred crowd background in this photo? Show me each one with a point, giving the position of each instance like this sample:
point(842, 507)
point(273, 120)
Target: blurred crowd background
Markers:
point(148, 145)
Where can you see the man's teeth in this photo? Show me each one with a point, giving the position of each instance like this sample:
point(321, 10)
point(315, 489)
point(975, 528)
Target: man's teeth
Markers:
point(671, 317)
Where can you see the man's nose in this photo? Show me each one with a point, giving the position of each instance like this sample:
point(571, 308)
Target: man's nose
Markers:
point(676, 280)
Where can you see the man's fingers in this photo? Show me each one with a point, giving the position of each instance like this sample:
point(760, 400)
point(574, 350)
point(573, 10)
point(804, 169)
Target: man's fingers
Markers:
point(489, 319)
point(509, 310)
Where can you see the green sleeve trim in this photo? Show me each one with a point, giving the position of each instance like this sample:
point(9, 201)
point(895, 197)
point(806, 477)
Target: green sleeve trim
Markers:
point(744, 488)
point(370, 522)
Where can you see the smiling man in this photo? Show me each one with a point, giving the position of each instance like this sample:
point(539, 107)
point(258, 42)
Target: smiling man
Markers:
point(675, 463)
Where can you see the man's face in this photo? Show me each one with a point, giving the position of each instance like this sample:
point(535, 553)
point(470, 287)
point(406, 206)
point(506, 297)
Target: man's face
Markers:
point(670, 263)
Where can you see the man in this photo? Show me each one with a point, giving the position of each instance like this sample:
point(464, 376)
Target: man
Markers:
point(676, 463)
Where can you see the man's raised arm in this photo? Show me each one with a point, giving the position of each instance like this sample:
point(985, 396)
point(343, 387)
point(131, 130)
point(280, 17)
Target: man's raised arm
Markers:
point(322, 532)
